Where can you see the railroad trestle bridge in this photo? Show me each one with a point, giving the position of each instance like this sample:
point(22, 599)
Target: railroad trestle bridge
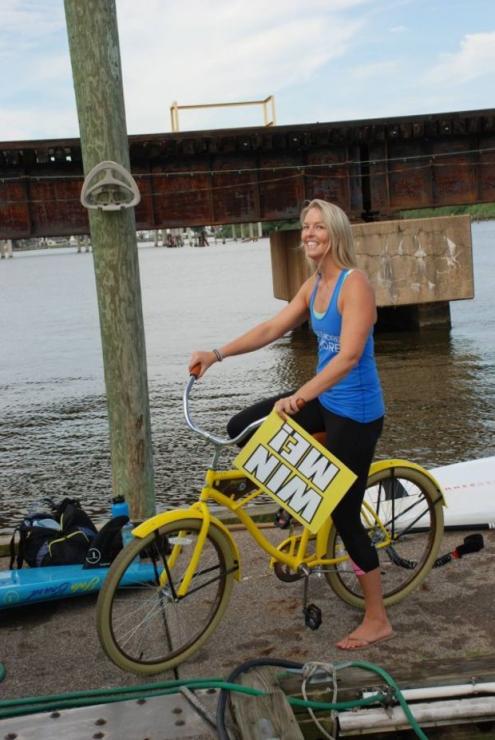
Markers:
point(372, 168)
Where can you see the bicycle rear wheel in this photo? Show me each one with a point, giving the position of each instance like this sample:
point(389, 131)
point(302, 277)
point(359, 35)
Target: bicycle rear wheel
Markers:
point(408, 504)
point(143, 625)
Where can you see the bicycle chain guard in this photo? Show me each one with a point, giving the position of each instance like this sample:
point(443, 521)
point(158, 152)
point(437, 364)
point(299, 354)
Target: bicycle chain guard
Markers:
point(109, 187)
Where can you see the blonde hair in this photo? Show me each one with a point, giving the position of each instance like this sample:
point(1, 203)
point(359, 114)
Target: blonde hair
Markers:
point(339, 229)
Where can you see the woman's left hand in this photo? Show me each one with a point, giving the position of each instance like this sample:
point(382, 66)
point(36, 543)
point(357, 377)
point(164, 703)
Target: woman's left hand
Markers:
point(289, 405)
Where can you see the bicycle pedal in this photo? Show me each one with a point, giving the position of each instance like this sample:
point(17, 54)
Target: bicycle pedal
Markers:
point(312, 616)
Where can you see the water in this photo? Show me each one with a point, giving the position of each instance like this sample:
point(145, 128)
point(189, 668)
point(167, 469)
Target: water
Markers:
point(439, 386)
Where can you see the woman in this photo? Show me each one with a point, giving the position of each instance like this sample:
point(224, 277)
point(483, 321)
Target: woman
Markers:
point(344, 398)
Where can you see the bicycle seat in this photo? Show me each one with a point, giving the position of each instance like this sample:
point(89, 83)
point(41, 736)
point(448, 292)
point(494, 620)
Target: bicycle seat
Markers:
point(320, 437)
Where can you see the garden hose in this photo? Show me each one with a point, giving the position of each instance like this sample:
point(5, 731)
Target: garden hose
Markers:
point(50, 703)
point(33, 704)
point(366, 666)
point(338, 706)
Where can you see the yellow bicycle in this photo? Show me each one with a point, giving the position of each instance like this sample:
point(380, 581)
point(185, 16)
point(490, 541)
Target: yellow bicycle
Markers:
point(167, 590)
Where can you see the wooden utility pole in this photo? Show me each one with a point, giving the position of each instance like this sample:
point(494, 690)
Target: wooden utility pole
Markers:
point(96, 69)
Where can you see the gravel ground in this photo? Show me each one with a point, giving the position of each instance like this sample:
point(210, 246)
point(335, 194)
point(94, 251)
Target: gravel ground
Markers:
point(52, 647)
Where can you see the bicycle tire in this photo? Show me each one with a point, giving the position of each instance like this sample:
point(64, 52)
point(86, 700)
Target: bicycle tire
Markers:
point(410, 505)
point(142, 626)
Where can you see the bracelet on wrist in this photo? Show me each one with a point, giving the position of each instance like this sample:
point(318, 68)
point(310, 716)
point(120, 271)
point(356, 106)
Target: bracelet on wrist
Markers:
point(217, 354)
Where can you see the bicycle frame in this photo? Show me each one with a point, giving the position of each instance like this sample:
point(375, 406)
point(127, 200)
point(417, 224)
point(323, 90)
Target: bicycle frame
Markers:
point(296, 556)
point(152, 610)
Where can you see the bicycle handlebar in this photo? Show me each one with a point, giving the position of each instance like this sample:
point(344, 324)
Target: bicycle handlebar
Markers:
point(195, 370)
point(217, 441)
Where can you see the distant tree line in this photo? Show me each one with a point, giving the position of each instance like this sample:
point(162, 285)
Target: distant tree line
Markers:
point(478, 211)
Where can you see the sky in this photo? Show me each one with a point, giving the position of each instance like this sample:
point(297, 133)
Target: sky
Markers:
point(323, 60)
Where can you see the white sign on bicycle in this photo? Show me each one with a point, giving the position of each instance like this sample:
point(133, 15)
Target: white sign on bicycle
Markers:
point(294, 469)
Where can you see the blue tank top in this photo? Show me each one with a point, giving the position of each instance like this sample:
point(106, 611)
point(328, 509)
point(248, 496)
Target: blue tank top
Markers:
point(359, 395)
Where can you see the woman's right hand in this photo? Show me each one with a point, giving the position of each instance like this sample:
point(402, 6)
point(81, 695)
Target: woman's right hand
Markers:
point(203, 359)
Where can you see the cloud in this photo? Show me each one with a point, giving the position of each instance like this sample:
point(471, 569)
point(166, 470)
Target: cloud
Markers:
point(33, 43)
point(24, 24)
point(231, 51)
point(18, 124)
point(199, 51)
point(375, 69)
point(305, 52)
point(475, 58)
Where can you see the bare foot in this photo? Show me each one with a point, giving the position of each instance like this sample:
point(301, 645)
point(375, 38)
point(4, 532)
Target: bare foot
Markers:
point(368, 633)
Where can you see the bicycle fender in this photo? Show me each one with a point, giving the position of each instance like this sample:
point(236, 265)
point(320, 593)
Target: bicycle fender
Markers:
point(379, 465)
point(169, 517)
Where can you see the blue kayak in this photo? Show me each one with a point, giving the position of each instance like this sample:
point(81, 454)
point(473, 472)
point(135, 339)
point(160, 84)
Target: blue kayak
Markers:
point(29, 585)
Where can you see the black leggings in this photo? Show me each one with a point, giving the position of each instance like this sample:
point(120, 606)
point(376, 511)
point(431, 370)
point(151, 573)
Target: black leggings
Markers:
point(354, 444)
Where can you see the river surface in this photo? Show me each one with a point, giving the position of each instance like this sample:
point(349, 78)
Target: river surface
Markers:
point(439, 386)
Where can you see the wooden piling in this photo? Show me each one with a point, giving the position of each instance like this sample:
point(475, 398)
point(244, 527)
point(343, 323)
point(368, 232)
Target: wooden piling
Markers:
point(96, 69)
point(269, 716)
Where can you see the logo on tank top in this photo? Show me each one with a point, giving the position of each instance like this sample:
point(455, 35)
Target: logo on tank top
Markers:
point(328, 342)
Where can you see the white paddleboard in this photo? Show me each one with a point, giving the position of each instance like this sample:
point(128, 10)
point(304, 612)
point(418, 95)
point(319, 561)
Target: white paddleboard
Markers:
point(469, 489)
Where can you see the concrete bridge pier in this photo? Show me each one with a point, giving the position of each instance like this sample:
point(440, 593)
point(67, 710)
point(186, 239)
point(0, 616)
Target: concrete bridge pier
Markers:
point(81, 243)
point(159, 238)
point(418, 316)
point(250, 231)
point(6, 249)
point(76, 242)
point(416, 267)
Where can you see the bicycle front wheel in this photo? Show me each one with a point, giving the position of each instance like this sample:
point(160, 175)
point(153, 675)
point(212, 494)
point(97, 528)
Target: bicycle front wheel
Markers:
point(143, 624)
point(408, 505)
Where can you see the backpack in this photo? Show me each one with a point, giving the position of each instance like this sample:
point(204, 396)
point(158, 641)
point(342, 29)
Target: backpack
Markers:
point(60, 536)
point(107, 543)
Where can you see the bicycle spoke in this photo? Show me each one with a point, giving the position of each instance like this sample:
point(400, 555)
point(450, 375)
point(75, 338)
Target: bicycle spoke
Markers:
point(405, 528)
point(151, 627)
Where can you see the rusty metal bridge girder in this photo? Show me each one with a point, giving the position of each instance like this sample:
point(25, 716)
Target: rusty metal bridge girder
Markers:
point(372, 168)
